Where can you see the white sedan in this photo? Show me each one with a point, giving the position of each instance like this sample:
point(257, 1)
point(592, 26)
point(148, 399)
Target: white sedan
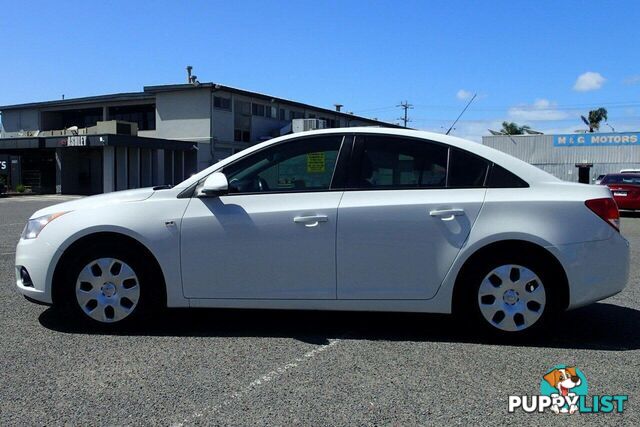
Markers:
point(343, 219)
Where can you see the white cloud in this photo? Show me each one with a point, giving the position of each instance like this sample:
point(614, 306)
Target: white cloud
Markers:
point(541, 109)
point(589, 81)
point(463, 94)
point(632, 80)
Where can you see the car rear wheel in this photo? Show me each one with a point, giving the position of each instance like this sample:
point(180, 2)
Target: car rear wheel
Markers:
point(511, 298)
point(509, 294)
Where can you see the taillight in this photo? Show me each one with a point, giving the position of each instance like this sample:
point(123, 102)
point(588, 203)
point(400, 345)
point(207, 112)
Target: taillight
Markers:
point(607, 209)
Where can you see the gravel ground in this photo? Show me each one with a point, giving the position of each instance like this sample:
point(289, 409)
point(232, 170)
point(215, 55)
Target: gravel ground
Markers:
point(235, 367)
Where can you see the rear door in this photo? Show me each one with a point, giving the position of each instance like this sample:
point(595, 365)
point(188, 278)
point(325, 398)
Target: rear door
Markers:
point(408, 209)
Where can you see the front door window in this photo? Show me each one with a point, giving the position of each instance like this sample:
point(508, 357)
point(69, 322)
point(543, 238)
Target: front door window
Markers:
point(306, 165)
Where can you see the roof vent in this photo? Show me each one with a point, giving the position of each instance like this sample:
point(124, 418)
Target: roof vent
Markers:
point(191, 79)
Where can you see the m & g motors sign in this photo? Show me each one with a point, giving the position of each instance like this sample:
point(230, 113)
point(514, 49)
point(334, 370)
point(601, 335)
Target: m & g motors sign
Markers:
point(596, 139)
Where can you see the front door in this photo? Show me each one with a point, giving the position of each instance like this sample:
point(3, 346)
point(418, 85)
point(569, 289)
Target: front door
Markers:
point(273, 235)
point(410, 210)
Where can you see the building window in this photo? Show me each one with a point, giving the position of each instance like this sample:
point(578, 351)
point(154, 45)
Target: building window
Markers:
point(282, 115)
point(331, 123)
point(222, 103)
point(312, 116)
point(257, 110)
point(295, 115)
point(263, 111)
point(240, 135)
point(143, 115)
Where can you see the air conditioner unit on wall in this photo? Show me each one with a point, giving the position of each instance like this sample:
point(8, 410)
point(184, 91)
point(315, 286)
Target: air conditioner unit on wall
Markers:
point(303, 125)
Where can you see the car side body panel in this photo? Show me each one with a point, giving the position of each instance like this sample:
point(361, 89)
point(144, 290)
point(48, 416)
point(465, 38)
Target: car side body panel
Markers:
point(550, 213)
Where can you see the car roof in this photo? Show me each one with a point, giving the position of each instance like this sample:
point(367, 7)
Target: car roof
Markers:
point(522, 169)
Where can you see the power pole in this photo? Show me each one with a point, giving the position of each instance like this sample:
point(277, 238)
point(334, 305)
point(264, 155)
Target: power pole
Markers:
point(406, 107)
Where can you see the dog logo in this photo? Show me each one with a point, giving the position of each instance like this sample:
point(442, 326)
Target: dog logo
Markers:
point(566, 382)
point(563, 390)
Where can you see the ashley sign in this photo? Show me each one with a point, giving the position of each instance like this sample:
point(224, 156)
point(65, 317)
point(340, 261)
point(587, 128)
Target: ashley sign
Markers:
point(74, 141)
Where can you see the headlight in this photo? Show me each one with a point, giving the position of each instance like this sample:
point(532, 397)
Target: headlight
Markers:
point(35, 226)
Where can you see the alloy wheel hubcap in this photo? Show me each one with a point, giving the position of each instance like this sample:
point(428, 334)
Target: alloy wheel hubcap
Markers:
point(107, 290)
point(511, 298)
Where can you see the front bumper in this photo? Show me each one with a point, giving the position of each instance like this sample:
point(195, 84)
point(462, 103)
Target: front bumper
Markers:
point(595, 270)
point(39, 259)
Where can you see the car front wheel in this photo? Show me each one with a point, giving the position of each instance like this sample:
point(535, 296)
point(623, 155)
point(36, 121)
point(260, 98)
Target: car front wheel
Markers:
point(107, 290)
point(108, 286)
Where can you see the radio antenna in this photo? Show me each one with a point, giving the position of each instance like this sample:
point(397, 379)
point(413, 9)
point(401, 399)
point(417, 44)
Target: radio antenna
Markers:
point(465, 109)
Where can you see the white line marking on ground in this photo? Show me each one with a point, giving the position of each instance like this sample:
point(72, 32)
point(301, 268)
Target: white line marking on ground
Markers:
point(43, 198)
point(258, 382)
point(13, 223)
point(7, 253)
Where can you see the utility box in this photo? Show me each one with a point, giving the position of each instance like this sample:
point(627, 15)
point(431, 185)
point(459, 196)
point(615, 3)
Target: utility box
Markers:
point(303, 125)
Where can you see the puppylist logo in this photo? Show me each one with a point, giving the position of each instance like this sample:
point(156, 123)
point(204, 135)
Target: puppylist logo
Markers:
point(563, 390)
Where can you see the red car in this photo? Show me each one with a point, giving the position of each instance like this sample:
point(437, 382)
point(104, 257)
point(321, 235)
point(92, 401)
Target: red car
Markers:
point(625, 188)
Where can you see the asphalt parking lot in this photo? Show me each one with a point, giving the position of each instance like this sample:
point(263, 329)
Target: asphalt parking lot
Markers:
point(233, 367)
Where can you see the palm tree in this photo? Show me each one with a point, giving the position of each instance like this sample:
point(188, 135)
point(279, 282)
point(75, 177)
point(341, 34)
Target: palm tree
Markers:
point(511, 128)
point(595, 117)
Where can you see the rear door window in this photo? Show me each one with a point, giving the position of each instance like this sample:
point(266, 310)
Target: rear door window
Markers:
point(387, 162)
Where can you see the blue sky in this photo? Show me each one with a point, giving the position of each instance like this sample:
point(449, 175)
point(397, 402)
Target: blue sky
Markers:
point(523, 59)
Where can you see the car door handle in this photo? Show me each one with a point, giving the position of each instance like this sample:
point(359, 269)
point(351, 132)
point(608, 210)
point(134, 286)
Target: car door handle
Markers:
point(446, 214)
point(311, 220)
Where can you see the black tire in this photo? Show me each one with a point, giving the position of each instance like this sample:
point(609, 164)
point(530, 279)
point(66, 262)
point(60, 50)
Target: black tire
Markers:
point(469, 298)
point(147, 303)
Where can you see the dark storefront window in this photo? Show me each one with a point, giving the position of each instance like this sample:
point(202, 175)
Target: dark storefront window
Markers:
point(55, 120)
point(143, 115)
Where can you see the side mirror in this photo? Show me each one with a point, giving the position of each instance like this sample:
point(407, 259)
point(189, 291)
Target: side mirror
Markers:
point(216, 184)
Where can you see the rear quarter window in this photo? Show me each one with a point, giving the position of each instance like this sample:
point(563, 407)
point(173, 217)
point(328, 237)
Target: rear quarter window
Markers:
point(499, 177)
point(466, 170)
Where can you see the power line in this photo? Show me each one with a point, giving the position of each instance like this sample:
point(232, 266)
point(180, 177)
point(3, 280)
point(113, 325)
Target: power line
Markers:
point(527, 107)
point(388, 108)
point(406, 107)
point(568, 119)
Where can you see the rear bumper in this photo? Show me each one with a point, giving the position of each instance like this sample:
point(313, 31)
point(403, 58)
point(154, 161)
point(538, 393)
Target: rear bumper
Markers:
point(595, 270)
